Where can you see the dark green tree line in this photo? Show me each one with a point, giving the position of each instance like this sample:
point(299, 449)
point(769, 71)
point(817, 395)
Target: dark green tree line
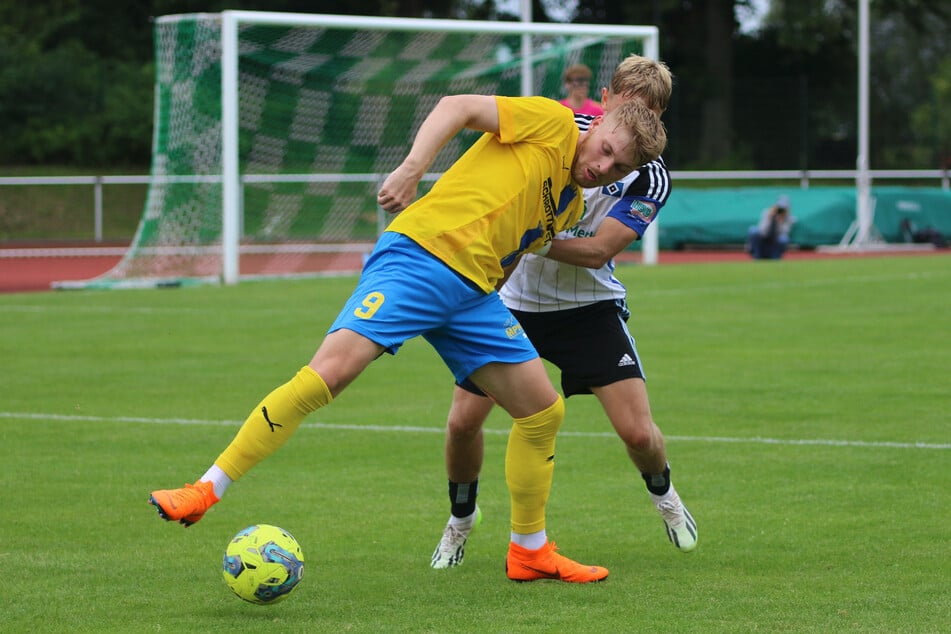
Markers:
point(76, 77)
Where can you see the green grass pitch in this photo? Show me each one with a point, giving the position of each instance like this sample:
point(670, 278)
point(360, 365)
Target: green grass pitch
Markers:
point(805, 403)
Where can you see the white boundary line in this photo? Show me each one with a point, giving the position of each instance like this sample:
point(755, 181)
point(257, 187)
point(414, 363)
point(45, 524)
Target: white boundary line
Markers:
point(439, 430)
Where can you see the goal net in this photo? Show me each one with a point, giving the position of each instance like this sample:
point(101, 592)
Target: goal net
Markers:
point(273, 131)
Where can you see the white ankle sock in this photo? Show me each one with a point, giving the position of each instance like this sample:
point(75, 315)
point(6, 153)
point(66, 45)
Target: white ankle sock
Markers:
point(463, 523)
point(531, 541)
point(671, 492)
point(219, 480)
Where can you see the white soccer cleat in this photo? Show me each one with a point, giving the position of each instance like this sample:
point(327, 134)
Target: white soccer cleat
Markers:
point(452, 547)
point(681, 528)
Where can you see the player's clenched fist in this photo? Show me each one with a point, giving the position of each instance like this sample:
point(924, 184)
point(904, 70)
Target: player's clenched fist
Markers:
point(399, 189)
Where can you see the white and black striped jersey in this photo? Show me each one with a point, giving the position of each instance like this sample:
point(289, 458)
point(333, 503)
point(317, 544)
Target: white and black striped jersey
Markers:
point(542, 285)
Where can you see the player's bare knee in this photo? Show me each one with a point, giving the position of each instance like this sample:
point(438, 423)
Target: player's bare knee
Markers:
point(638, 438)
point(464, 426)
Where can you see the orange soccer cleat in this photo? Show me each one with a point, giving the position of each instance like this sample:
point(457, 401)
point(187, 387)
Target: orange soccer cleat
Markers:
point(186, 505)
point(529, 565)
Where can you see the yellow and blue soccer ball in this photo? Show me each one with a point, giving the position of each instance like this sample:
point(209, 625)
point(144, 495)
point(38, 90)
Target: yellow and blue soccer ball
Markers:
point(263, 564)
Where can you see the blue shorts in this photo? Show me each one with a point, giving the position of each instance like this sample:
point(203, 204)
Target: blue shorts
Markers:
point(405, 291)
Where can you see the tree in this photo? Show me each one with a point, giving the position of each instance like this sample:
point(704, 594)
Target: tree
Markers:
point(75, 83)
point(907, 44)
point(796, 92)
point(931, 120)
point(76, 76)
point(697, 42)
point(716, 139)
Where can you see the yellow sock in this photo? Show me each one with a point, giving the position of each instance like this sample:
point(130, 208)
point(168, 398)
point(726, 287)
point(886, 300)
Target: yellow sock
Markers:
point(530, 464)
point(273, 421)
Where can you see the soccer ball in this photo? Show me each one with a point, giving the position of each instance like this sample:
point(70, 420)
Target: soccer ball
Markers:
point(263, 564)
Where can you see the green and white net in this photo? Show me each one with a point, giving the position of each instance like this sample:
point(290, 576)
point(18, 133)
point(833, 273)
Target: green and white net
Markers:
point(324, 114)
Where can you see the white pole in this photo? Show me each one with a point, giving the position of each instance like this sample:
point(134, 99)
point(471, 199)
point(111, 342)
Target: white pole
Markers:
point(97, 202)
point(650, 240)
point(230, 178)
point(652, 46)
point(862, 179)
point(650, 245)
point(525, 9)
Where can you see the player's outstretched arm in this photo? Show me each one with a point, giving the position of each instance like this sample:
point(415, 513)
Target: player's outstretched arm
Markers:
point(451, 114)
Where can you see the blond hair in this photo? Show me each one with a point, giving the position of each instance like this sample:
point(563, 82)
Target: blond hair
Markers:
point(645, 78)
point(648, 135)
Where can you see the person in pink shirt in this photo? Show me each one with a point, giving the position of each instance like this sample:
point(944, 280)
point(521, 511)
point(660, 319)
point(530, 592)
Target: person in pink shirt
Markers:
point(577, 80)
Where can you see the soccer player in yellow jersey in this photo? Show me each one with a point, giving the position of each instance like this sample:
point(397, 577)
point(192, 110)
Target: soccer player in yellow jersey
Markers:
point(434, 272)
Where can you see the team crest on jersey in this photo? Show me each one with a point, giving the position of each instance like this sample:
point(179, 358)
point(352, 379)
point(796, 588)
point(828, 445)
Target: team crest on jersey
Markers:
point(615, 189)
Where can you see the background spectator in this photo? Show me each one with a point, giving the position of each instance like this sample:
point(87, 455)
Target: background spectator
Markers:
point(768, 239)
point(577, 81)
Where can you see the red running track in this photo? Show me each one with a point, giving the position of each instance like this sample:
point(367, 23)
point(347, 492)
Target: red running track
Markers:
point(31, 274)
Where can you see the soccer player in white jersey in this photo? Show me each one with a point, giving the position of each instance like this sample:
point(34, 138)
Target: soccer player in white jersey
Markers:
point(574, 311)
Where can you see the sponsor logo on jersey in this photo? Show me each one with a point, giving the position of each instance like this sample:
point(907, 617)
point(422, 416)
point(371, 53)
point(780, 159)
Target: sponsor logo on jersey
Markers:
point(513, 329)
point(548, 206)
point(642, 209)
point(578, 232)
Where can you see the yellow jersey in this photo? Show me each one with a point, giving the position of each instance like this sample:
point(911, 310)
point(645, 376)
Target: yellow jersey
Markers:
point(507, 194)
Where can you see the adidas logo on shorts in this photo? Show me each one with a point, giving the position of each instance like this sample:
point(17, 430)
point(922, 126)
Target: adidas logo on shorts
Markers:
point(626, 360)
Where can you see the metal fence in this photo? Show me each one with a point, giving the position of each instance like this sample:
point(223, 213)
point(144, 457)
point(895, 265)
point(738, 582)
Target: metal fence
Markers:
point(804, 177)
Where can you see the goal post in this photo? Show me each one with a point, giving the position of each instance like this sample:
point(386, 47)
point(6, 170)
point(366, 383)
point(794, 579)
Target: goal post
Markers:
point(274, 130)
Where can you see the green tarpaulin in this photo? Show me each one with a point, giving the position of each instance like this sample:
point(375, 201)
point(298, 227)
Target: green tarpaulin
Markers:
point(723, 216)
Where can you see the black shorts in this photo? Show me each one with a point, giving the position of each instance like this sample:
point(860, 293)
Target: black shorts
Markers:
point(591, 345)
